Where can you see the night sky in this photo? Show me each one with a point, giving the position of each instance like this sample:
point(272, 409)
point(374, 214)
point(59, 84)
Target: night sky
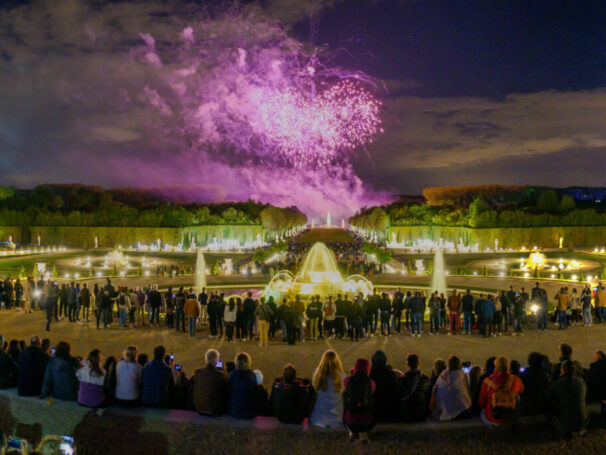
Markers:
point(473, 92)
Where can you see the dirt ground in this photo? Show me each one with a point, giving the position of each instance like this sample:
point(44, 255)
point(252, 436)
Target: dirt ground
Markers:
point(305, 356)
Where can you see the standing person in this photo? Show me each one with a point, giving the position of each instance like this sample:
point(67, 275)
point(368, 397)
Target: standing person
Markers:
point(328, 382)
point(191, 310)
point(212, 315)
point(467, 306)
point(313, 313)
point(519, 312)
point(417, 309)
point(434, 314)
point(229, 315)
point(85, 301)
point(169, 302)
point(479, 310)
point(203, 301)
point(329, 310)
point(498, 314)
point(249, 315)
point(586, 307)
point(566, 409)
point(407, 309)
point(141, 296)
point(506, 307)
point(542, 310)
point(575, 307)
point(180, 299)
point(291, 320)
point(489, 311)
point(154, 299)
point(354, 319)
point(299, 310)
point(32, 367)
point(264, 313)
point(72, 301)
point(499, 394)
point(563, 300)
point(51, 304)
point(358, 401)
point(29, 295)
point(240, 320)
point(385, 314)
point(600, 303)
point(128, 379)
point(340, 316)
point(372, 311)
point(123, 307)
point(398, 307)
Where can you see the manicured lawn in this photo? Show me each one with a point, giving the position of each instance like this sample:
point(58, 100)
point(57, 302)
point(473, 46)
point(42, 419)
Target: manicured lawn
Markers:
point(326, 236)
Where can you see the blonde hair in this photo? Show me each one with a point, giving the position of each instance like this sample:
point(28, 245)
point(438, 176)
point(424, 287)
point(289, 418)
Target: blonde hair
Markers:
point(329, 368)
point(501, 364)
point(50, 445)
point(130, 354)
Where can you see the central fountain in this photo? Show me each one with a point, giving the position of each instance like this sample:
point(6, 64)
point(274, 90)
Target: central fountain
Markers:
point(200, 272)
point(319, 275)
point(438, 279)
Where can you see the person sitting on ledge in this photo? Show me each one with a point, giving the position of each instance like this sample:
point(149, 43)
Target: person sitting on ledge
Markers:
point(92, 378)
point(8, 368)
point(60, 378)
point(242, 401)
point(32, 367)
point(128, 379)
point(158, 381)
point(499, 394)
point(290, 396)
point(210, 386)
point(451, 398)
point(413, 392)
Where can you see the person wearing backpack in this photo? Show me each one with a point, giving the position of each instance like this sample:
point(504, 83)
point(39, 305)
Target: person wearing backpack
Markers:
point(291, 397)
point(358, 401)
point(499, 394)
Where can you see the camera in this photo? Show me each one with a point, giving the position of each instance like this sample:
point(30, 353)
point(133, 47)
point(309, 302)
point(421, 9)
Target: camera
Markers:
point(466, 367)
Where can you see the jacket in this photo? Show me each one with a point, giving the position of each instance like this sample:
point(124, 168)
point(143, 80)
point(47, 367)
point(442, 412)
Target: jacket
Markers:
point(386, 391)
point(60, 379)
point(454, 302)
point(210, 391)
point(32, 367)
point(90, 392)
point(191, 308)
point(486, 391)
point(566, 409)
point(596, 381)
point(417, 305)
point(413, 395)
point(242, 394)
point(451, 395)
point(264, 312)
point(8, 370)
point(290, 401)
point(158, 384)
point(467, 301)
point(361, 367)
point(536, 385)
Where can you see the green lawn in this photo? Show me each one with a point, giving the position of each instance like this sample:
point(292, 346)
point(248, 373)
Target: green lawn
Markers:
point(326, 236)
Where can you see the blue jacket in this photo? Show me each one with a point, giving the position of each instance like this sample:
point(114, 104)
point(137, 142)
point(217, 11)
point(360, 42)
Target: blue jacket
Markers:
point(489, 308)
point(242, 394)
point(158, 383)
point(32, 367)
point(60, 379)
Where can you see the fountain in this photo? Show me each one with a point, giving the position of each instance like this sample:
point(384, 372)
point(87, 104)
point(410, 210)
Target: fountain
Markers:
point(200, 272)
point(318, 275)
point(115, 258)
point(328, 222)
point(438, 280)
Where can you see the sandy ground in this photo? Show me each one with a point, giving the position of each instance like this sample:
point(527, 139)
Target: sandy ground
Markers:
point(305, 356)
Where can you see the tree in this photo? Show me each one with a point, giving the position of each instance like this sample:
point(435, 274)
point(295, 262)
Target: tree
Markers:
point(548, 202)
point(566, 204)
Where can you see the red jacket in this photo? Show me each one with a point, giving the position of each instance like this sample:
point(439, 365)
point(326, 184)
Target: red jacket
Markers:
point(517, 387)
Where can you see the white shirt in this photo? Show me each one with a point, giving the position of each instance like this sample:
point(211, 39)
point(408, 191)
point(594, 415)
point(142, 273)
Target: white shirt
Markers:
point(128, 380)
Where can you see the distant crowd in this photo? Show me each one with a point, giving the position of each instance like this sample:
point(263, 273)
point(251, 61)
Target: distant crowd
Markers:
point(371, 391)
point(243, 317)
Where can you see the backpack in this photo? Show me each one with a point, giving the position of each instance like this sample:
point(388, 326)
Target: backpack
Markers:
point(357, 396)
point(502, 401)
point(329, 311)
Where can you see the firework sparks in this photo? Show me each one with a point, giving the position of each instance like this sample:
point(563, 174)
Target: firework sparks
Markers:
point(310, 131)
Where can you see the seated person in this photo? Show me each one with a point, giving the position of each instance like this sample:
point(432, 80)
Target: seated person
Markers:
point(92, 378)
point(242, 402)
point(451, 398)
point(32, 367)
point(60, 378)
point(566, 410)
point(499, 394)
point(158, 381)
point(8, 368)
point(290, 397)
point(210, 387)
point(536, 385)
point(413, 392)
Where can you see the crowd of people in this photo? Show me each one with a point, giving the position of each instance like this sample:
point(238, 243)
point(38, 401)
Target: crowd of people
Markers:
point(243, 317)
point(370, 392)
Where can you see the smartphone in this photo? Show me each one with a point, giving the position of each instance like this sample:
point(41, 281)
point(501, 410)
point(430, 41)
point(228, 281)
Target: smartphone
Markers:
point(522, 369)
point(14, 443)
point(172, 357)
point(466, 367)
point(219, 364)
point(53, 350)
point(67, 446)
point(178, 367)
